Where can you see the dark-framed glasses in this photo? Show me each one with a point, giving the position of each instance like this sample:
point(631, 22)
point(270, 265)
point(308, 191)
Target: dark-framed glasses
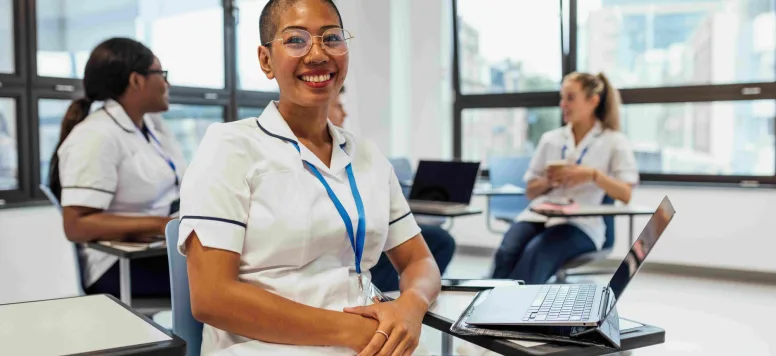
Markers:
point(298, 42)
point(163, 73)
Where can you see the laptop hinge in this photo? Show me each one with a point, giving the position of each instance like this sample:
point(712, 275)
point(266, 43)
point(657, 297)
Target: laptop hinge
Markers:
point(604, 307)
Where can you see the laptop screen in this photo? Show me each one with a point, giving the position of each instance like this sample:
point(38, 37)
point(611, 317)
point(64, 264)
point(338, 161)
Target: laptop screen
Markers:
point(445, 181)
point(642, 247)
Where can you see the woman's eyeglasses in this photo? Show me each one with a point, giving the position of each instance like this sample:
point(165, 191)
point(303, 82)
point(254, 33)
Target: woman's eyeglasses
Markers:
point(297, 42)
point(163, 73)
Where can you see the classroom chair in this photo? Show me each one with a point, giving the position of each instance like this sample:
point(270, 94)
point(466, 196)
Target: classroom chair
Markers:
point(581, 260)
point(503, 171)
point(183, 322)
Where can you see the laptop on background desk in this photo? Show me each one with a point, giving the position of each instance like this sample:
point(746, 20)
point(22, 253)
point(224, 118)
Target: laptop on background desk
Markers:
point(443, 187)
point(570, 304)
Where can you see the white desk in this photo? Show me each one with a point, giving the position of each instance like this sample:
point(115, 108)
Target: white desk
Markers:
point(96, 324)
point(605, 210)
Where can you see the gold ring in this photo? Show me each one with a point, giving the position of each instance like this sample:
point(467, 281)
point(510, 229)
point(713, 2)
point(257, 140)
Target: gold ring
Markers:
point(383, 333)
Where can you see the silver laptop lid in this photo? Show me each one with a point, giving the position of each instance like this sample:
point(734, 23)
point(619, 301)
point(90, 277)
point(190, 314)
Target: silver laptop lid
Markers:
point(641, 249)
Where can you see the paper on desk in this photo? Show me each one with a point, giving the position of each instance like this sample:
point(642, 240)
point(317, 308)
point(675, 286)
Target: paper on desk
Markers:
point(626, 324)
point(527, 343)
point(127, 246)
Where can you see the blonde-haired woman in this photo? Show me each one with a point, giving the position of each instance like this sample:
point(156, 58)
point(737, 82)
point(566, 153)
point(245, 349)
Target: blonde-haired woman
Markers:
point(584, 160)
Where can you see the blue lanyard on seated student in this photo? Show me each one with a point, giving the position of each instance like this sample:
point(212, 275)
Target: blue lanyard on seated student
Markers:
point(145, 131)
point(158, 147)
point(357, 240)
point(581, 155)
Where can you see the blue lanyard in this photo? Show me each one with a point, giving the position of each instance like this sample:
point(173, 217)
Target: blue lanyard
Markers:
point(161, 153)
point(158, 148)
point(581, 155)
point(357, 241)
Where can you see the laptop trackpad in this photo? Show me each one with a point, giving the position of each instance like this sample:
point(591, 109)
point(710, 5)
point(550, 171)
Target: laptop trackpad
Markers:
point(504, 305)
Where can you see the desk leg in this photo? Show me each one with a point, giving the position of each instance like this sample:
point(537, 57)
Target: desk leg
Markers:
point(125, 282)
point(447, 344)
point(630, 227)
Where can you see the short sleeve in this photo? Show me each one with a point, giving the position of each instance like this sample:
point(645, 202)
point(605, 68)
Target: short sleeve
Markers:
point(402, 225)
point(88, 169)
point(215, 192)
point(623, 164)
point(538, 161)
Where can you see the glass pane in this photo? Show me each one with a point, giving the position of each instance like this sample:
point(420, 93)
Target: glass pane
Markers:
point(9, 160)
point(189, 123)
point(508, 46)
point(7, 64)
point(187, 36)
point(50, 114)
point(715, 138)
point(652, 43)
point(246, 112)
point(499, 132)
point(249, 74)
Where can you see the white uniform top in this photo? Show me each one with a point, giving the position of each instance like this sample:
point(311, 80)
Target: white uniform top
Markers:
point(248, 191)
point(605, 150)
point(107, 163)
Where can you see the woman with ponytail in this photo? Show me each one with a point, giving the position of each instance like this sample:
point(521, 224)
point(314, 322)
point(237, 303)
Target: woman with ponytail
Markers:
point(584, 161)
point(117, 170)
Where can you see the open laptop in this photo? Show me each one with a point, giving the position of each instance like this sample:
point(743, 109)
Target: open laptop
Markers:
point(443, 187)
point(570, 304)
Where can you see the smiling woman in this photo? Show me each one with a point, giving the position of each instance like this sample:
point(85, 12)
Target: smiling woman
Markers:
point(273, 217)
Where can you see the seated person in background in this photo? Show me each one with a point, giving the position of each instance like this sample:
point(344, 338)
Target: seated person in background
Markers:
point(283, 215)
point(116, 171)
point(584, 161)
point(439, 241)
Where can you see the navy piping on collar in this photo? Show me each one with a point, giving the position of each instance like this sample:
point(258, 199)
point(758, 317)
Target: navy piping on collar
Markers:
point(286, 139)
point(116, 121)
point(210, 218)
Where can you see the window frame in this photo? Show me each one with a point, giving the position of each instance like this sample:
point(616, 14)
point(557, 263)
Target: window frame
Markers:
point(28, 88)
point(645, 95)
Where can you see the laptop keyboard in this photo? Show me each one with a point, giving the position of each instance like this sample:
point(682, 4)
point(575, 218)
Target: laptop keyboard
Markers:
point(562, 303)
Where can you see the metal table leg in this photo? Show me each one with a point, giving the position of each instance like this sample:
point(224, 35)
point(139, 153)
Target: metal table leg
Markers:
point(630, 227)
point(447, 344)
point(125, 282)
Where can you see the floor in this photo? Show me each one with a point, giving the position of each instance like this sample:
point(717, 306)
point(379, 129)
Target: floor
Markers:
point(701, 316)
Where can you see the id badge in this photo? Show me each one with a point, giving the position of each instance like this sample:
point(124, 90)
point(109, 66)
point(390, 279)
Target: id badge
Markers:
point(369, 293)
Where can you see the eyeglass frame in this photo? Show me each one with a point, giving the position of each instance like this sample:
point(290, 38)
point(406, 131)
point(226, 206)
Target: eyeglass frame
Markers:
point(161, 72)
point(312, 38)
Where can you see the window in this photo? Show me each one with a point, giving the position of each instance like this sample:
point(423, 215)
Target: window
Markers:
point(7, 64)
point(250, 76)
point(697, 80)
point(50, 114)
point(710, 138)
point(246, 112)
point(186, 36)
point(499, 132)
point(190, 122)
point(9, 162)
point(508, 46)
point(654, 43)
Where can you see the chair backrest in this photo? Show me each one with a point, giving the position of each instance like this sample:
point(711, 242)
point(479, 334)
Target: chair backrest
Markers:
point(609, 223)
point(403, 169)
point(183, 322)
point(78, 273)
point(503, 171)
